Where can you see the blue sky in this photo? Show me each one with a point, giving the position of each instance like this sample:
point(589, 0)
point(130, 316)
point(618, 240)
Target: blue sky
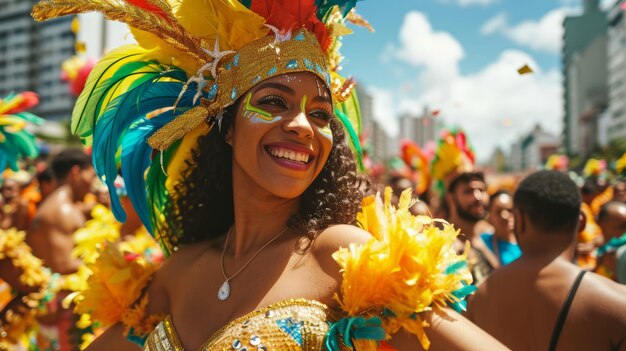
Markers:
point(461, 56)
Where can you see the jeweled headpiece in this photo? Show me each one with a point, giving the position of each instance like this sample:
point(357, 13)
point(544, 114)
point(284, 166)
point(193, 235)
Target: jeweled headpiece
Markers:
point(453, 157)
point(194, 58)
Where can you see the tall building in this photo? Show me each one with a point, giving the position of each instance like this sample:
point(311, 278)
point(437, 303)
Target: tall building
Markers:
point(617, 73)
point(420, 129)
point(584, 56)
point(532, 150)
point(378, 142)
point(31, 53)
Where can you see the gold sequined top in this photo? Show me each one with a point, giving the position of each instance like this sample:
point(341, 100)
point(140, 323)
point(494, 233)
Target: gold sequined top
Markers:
point(294, 325)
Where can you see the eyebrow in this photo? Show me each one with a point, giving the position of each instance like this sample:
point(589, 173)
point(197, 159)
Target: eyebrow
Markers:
point(320, 98)
point(277, 86)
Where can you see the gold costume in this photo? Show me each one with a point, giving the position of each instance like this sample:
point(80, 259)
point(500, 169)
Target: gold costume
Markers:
point(297, 324)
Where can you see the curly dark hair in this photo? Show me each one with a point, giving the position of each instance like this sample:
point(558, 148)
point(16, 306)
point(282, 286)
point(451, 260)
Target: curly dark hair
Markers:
point(202, 206)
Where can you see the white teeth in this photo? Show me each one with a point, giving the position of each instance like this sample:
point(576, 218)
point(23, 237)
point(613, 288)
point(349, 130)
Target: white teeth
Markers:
point(289, 155)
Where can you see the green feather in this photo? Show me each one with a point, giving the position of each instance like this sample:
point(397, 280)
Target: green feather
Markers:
point(84, 114)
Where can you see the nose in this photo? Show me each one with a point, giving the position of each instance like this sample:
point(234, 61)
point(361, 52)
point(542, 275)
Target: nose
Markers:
point(478, 194)
point(299, 125)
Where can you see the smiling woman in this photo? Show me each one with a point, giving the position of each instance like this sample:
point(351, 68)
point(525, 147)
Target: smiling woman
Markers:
point(242, 161)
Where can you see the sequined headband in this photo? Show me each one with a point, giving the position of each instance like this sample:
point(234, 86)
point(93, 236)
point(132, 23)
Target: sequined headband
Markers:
point(260, 60)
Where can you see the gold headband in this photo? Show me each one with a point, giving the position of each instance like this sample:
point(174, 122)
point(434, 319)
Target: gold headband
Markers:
point(260, 60)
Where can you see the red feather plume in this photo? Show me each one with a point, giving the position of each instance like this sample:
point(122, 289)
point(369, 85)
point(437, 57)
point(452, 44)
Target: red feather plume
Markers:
point(146, 5)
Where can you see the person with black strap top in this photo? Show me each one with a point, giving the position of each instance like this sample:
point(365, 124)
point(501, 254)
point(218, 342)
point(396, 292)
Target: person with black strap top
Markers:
point(542, 301)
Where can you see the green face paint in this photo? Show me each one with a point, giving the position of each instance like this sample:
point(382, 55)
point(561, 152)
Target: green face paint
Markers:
point(257, 115)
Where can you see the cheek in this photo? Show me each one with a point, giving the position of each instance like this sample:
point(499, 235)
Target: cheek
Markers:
point(326, 140)
point(257, 119)
point(326, 132)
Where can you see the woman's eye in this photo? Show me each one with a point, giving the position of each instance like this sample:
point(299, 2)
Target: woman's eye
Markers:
point(272, 100)
point(321, 114)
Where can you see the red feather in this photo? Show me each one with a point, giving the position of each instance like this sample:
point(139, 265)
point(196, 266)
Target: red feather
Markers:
point(30, 99)
point(290, 15)
point(146, 5)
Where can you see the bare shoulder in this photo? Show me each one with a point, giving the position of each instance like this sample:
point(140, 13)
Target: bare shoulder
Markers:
point(333, 239)
point(609, 296)
point(339, 236)
point(181, 260)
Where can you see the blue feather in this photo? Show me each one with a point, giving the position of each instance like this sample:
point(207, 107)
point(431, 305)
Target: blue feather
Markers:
point(122, 113)
point(136, 158)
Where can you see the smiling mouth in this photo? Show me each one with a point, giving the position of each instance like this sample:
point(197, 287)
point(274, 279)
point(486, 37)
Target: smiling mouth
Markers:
point(289, 155)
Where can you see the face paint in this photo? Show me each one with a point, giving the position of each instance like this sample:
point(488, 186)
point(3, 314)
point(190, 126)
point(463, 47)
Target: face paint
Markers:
point(303, 105)
point(257, 115)
point(325, 130)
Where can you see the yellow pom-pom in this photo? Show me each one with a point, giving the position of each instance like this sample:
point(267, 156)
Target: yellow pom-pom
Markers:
point(404, 269)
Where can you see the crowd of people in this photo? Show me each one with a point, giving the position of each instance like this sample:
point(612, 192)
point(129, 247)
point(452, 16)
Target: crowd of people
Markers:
point(225, 202)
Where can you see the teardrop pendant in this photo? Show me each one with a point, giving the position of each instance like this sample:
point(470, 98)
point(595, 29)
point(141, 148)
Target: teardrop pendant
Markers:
point(224, 291)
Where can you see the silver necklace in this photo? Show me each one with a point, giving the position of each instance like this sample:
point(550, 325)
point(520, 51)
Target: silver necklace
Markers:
point(224, 292)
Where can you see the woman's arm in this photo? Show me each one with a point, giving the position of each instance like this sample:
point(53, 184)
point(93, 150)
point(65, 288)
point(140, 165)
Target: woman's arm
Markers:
point(454, 332)
point(158, 303)
point(113, 339)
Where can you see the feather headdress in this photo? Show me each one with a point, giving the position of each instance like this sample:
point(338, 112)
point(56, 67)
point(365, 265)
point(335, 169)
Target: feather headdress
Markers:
point(595, 168)
point(454, 156)
point(144, 106)
point(413, 164)
point(15, 141)
point(557, 163)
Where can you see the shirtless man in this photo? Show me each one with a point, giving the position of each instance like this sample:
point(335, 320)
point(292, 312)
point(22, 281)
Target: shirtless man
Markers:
point(61, 214)
point(51, 235)
point(520, 303)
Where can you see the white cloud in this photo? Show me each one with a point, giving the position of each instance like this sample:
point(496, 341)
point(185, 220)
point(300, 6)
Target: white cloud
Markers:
point(495, 105)
point(465, 3)
point(495, 24)
point(476, 2)
point(438, 52)
point(544, 35)
point(607, 4)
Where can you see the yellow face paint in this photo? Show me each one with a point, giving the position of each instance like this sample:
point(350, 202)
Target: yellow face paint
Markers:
point(325, 130)
point(258, 115)
point(303, 105)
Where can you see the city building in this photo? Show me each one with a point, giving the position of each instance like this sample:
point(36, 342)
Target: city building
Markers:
point(585, 91)
point(31, 53)
point(617, 73)
point(420, 129)
point(532, 150)
point(377, 142)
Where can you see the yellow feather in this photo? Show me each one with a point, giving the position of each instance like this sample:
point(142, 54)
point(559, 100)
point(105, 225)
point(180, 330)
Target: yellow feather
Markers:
point(402, 268)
